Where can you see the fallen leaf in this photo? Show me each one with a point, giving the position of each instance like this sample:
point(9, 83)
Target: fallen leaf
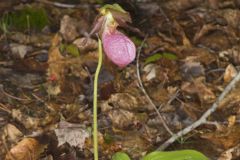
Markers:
point(73, 134)
point(225, 138)
point(231, 121)
point(68, 28)
point(121, 101)
point(230, 73)
point(32, 119)
point(28, 148)
point(198, 87)
point(86, 44)
point(230, 154)
point(11, 133)
point(19, 50)
point(150, 70)
point(121, 118)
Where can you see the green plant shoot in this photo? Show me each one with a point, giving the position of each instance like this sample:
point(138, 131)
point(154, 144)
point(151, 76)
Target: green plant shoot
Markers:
point(95, 125)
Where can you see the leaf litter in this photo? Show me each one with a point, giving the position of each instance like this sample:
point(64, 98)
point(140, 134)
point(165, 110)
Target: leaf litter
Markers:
point(47, 75)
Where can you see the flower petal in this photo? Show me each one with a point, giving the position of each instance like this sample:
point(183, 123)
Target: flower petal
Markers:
point(118, 48)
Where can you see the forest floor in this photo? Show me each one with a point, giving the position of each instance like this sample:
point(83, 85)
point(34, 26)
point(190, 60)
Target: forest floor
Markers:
point(188, 52)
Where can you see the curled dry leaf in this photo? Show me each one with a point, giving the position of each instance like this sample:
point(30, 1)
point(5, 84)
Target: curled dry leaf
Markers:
point(231, 121)
point(230, 73)
point(150, 69)
point(86, 44)
point(28, 148)
point(11, 133)
point(68, 28)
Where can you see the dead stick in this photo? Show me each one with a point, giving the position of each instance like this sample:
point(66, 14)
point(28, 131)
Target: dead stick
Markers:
point(63, 5)
point(204, 117)
point(146, 94)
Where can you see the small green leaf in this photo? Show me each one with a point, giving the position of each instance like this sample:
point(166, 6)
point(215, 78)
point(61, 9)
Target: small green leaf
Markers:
point(120, 156)
point(62, 47)
point(153, 58)
point(169, 56)
point(137, 41)
point(72, 50)
point(108, 138)
point(158, 56)
point(175, 155)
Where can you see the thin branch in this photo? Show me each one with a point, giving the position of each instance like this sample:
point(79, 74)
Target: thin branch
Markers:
point(145, 92)
point(11, 96)
point(204, 117)
point(63, 5)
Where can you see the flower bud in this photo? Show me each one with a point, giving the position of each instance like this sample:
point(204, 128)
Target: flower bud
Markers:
point(118, 47)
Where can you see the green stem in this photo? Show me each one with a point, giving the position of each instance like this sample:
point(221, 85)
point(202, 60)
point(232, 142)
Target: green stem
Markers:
point(95, 130)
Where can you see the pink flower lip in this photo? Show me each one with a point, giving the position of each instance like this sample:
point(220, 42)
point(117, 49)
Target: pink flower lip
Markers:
point(118, 48)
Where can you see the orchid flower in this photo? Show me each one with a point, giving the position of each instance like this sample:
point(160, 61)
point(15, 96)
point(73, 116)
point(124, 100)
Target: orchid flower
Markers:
point(117, 46)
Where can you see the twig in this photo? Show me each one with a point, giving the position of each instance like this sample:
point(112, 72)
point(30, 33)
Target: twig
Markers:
point(204, 117)
point(4, 108)
point(63, 5)
point(11, 96)
point(146, 94)
point(173, 97)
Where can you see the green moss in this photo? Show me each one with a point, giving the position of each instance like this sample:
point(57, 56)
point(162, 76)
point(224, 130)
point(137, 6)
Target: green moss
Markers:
point(28, 18)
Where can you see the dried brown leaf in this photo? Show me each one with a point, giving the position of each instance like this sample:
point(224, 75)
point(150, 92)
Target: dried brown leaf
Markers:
point(74, 134)
point(68, 28)
point(122, 119)
point(225, 138)
point(198, 87)
point(28, 148)
point(230, 73)
point(12, 133)
point(231, 121)
point(122, 101)
point(86, 44)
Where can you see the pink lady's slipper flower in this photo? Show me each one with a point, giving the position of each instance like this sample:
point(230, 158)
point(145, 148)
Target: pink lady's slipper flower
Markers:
point(118, 47)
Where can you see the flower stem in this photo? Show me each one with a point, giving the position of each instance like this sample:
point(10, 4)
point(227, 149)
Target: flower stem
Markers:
point(95, 130)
